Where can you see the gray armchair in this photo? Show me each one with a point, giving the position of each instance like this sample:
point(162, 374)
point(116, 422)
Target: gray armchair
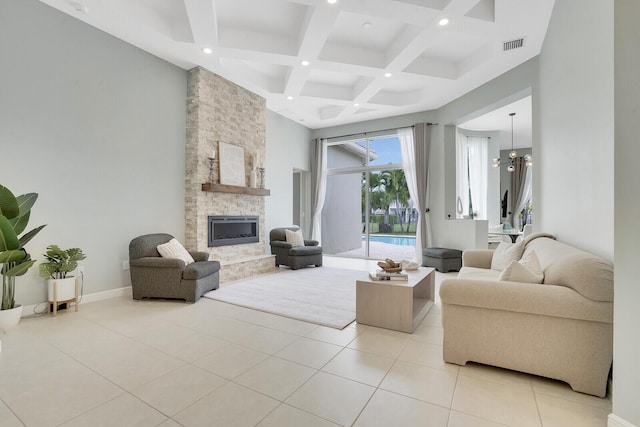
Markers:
point(157, 277)
point(294, 256)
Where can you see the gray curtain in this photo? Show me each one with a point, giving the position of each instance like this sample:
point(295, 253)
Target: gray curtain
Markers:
point(517, 188)
point(422, 144)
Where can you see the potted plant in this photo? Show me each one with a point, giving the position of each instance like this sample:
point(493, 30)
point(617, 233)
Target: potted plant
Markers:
point(14, 259)
point(60, 262)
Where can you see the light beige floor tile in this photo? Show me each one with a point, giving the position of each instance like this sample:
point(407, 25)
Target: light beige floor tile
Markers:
point(499, 375)
point(563, 390)
point(56, 393)
point(132, 365)
point(256, 337)
point(312, 353)
point(458, 419)
point(333, 398)
point(181, 342)
point(359, 366)
point(178, 389)
point(288, 416)
point(428, 333)
point(509, 404)
point(390, 409)
point(275, 377)
point(379, 343)
point(8, 418)
point(557, 412)
point(433, 318)
point(280, 323)
point(421, 382)
point(123, 411)
point(340, 337)
point(229, 406)
point(230, 361)
point(169, 423)
point(422, 353)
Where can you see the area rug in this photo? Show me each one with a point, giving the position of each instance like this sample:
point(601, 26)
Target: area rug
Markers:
point(321, 295)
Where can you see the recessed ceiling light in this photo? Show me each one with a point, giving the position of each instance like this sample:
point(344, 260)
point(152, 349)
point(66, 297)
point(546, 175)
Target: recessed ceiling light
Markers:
point(79, 7)
point(444, 21)
point(367, 25)
point(289, 98)
point(356, 105)
point(331, 1)
point(304, 63)
point(388, 74)
point(207, 50)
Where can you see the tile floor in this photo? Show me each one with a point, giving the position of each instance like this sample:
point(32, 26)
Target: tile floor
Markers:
point(163, 363)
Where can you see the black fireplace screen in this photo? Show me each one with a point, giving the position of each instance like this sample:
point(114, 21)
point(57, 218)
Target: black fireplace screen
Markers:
point(233, 230)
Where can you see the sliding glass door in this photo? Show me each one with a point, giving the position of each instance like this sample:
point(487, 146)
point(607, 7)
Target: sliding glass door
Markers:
point(368, 212)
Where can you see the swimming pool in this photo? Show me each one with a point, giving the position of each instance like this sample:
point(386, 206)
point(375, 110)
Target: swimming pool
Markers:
point(393, 240)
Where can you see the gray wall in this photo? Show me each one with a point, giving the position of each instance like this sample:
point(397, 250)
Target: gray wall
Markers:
point(97, 128)
point(626, 348)
point(288, 148)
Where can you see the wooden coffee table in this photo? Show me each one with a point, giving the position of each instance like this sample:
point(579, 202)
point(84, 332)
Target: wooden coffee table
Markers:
point(395, 304)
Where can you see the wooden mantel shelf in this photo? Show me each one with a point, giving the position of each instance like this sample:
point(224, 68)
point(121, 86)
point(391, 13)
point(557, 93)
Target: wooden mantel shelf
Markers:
point(235, 189)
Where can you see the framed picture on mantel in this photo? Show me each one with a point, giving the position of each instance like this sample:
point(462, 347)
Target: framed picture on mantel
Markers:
point(231, 164)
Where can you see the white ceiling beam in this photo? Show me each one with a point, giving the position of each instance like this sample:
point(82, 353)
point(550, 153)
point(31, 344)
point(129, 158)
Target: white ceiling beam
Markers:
point(313, 36)
point(203, 21)
point(460, 7)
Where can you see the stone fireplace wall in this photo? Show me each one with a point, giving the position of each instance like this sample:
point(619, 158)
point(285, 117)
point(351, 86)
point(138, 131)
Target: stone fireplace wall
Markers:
point(219, 110)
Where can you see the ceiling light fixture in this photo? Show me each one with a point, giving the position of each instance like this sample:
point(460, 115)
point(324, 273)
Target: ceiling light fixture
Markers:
point(289, 98)
point(388, 74)
point(207, 50)
point(443, 21)
point(356, 105)
point(332, 1)
point(79, 7)
point(304, 63)
point(513, 154)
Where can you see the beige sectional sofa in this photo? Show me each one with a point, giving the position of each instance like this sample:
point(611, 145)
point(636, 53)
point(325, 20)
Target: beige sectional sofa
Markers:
point(562, 328)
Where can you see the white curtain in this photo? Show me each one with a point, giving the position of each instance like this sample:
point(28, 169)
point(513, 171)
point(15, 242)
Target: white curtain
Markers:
point(318, 185)
point(524, 196)
point(472, 163)
point(408, 154)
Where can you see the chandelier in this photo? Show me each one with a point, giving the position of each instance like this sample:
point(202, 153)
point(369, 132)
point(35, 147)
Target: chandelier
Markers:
point(513, 154)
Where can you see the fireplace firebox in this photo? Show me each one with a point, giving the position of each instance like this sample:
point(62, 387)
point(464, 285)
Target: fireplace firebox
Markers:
point(233, 230)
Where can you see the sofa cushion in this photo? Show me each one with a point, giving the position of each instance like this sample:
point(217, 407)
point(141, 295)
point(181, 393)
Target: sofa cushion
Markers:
point(173, 249)
point(505, 253)
point(294, 237)
point(565, 265)
point(476, 273)
point(198, 270)
point(305, 250)
point(527, 270)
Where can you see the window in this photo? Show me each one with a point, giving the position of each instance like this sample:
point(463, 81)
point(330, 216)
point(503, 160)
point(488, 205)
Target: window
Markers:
point(471, 176)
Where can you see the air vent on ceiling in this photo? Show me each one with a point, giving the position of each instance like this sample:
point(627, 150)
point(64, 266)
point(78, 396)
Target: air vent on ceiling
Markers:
point(512, 44)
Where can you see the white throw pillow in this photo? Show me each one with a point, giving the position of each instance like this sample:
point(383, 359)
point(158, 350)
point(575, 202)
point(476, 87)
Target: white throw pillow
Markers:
point(527, 270)
point(294, 237)
point(505, 253)
point(173, 249)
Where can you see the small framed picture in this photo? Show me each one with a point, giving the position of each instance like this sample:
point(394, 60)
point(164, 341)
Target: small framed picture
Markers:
point(231, 164)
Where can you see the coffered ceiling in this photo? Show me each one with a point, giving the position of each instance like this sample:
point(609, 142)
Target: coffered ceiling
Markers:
point(366, 59)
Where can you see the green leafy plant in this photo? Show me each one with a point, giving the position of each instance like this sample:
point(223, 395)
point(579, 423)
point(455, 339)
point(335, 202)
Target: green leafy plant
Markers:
point(15, 260)
point(59, 262)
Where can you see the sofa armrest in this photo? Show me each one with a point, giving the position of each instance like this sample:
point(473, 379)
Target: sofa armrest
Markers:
point(199, 256)
point(311, 242)
point(532, 298)
point(280, 244)
point(479, 258)
point(157, 262)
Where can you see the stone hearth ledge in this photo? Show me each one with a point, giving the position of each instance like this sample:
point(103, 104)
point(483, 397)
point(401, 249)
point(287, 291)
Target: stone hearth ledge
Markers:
point(243, 268)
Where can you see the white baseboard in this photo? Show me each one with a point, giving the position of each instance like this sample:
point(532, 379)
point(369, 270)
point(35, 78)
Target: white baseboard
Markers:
point(616, 421)
point(30, 310)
